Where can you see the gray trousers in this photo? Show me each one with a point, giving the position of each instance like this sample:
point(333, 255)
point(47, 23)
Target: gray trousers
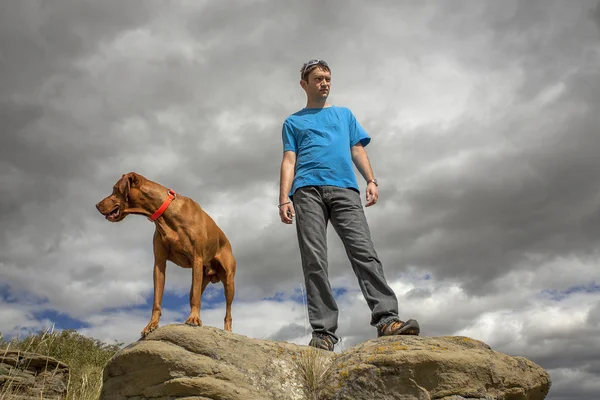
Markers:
point(314, 207)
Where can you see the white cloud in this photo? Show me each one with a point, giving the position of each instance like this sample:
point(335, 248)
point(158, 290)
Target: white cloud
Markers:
point(484, 141)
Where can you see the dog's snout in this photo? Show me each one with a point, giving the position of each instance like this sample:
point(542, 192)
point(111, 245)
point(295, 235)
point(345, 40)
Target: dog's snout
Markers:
point(98, 206)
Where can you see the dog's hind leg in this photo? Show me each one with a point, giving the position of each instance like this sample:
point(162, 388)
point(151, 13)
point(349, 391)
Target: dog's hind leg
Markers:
point(226, 275)
point(205, 282)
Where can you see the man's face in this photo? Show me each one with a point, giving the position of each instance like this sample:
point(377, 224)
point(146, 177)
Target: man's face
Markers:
point(318, 84)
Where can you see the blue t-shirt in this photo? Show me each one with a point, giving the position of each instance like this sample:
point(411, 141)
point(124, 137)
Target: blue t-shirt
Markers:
point(322, 139)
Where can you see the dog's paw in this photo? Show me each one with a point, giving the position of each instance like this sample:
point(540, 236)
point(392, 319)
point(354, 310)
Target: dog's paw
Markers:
point(194, 320)
point(152, 325)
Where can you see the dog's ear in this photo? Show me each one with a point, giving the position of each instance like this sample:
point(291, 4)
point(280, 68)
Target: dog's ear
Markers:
point(123, 186)
point(126, 182)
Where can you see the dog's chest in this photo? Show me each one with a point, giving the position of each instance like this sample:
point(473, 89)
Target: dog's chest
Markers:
point(176, 250)
point(180, 259)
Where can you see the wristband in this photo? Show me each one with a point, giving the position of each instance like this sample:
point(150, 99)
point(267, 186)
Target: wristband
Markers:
point(283, 204)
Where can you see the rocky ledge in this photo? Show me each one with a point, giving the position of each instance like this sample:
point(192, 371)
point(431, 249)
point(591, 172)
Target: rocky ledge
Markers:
point(206, 363)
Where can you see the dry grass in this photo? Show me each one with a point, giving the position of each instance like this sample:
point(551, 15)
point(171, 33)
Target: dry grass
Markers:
point(85, 357)
point(313, 369)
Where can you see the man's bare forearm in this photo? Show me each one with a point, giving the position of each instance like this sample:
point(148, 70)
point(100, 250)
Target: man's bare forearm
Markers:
point(361, 160)
point(288, 164)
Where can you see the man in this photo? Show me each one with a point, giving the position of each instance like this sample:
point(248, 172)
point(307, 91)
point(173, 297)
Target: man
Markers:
point(320, 144)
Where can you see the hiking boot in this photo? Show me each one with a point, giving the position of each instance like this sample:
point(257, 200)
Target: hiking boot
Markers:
point(397, 327)
point(322, 341)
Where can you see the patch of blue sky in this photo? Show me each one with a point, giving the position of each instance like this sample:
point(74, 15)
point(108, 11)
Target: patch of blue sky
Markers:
point(559, 295)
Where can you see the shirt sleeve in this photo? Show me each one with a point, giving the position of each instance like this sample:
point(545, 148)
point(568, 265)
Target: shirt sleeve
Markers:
point(357, 133)
point(288, 138)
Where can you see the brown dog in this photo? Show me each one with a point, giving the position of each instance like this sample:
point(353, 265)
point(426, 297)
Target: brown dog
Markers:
point(184, 235)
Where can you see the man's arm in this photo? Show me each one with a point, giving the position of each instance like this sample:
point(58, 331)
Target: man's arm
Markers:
point(361, 160)
point(286, 177)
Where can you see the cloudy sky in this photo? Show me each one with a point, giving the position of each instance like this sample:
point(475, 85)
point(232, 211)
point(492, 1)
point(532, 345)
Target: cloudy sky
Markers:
point(484, 124)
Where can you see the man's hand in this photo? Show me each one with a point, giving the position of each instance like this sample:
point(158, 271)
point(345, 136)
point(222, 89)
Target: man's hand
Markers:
point(286, 213)
point(372, 194)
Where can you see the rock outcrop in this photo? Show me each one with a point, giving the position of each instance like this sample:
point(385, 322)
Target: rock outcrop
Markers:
point(30, 376)
point(206, 363)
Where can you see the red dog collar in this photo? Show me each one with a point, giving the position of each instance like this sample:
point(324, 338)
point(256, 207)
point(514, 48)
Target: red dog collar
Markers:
point(171, 195)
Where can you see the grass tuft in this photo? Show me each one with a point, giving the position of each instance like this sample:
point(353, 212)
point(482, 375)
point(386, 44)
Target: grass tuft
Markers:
point(313, 369)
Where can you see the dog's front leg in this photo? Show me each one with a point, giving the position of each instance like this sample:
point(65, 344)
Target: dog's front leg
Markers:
point(160, 265)
point(196, 293)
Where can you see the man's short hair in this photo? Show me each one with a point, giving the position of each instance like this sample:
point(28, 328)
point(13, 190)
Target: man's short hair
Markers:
point(307, 67)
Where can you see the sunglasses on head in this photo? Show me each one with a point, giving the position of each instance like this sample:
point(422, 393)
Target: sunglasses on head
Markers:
point(312, 63)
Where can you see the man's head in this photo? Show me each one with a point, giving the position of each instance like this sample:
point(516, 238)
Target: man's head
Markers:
point(315, 79)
